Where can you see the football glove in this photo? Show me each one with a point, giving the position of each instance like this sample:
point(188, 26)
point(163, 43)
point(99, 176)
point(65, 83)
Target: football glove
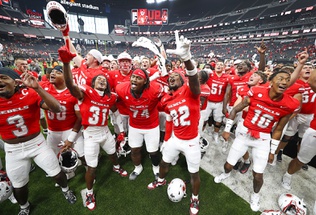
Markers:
point(182, 47)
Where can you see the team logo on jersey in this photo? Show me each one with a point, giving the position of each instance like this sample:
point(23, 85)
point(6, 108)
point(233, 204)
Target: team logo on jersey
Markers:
point(259, 95)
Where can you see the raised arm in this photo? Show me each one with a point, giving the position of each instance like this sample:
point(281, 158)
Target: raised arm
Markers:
point(302, 58)
point(50, 103)
point(262, 50)
point(183, 51)
point(66, 56)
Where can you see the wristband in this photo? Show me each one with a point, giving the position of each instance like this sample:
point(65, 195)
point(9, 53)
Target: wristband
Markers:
point(191, 72)
point(274, 145)
point(229, 125)
point(72, 136)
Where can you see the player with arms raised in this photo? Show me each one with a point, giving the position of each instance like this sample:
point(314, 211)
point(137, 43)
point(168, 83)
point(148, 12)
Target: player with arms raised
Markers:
point(182, 107)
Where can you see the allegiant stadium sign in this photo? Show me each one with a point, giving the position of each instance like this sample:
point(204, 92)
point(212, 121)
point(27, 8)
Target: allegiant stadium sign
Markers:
point(77, 4)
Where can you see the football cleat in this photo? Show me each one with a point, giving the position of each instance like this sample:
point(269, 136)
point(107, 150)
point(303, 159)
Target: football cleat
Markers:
point(291, 204)
point(120, 171)
point(286, 182)
point(5, 186)
point(57, 14)
point(220, 178)
point(25, 211)
point(244, 168)
point(70, 196)
point(176, 190)
point(90, 201)
point(255, 202)
point(194, 206)
point(153, 185)
point(68, 160)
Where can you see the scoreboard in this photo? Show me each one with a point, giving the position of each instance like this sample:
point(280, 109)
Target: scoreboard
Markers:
point(149, 17)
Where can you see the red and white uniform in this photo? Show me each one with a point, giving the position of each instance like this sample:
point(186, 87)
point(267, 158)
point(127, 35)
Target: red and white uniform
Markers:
point(94, 110)
point(116, 78)
point(64, 120)
point(237, 82)
point(143, 115)
point(205, 92)
point(183, 109)
point(308, 145)
point(217, 85)
point(301, 122)
point(85, 75)
point(255, 131)
point(19, 117)
point(60, 124)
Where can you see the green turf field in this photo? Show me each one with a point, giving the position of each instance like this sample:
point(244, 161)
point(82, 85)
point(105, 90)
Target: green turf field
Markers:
point(118, 196)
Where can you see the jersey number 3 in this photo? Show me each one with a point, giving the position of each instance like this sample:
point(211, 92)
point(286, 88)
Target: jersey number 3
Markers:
point(19, 123)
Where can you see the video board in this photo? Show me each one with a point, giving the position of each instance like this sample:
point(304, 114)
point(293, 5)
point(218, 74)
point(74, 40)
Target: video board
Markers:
point(149, 16)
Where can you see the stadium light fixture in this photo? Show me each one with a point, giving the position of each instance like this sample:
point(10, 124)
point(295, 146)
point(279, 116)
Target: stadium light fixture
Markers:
point(150, 1)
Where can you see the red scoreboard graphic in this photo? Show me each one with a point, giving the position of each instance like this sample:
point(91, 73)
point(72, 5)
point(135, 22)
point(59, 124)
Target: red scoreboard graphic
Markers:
point(149, 17)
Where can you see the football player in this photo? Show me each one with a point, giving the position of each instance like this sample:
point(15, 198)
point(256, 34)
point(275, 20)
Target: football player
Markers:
point(64, 126)
point(217, 83)
point(95, 102)
point(266, 107)
point(182, 107)
point(141, 97)
point(20, 131)
point(307, 150)
point(300, 123)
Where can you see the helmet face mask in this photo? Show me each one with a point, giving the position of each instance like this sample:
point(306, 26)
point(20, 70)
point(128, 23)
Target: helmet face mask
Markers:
point(292, 205)
point(68, 160)
point(176, 190)
point(57, 14)
point(5, 186)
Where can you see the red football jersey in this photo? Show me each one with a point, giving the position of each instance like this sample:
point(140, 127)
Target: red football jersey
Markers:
point(294, 89)
point(94, 108)
point(66, 119)
point(237, 82)
point(308, 98)
point(264, 112)
point(143, 111)
point(20, 115)
point(184, 108)
point(115, 78)
point(217, 86)
point(85, 75)
point(205, 92)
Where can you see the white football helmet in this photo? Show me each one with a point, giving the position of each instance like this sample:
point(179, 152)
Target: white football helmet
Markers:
point(68, 160)
point(5, 186)
point(176, 190)
point(204, 144)
point(292, 205)
point(57, 14)
point(123, 148)
point(124, 55)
